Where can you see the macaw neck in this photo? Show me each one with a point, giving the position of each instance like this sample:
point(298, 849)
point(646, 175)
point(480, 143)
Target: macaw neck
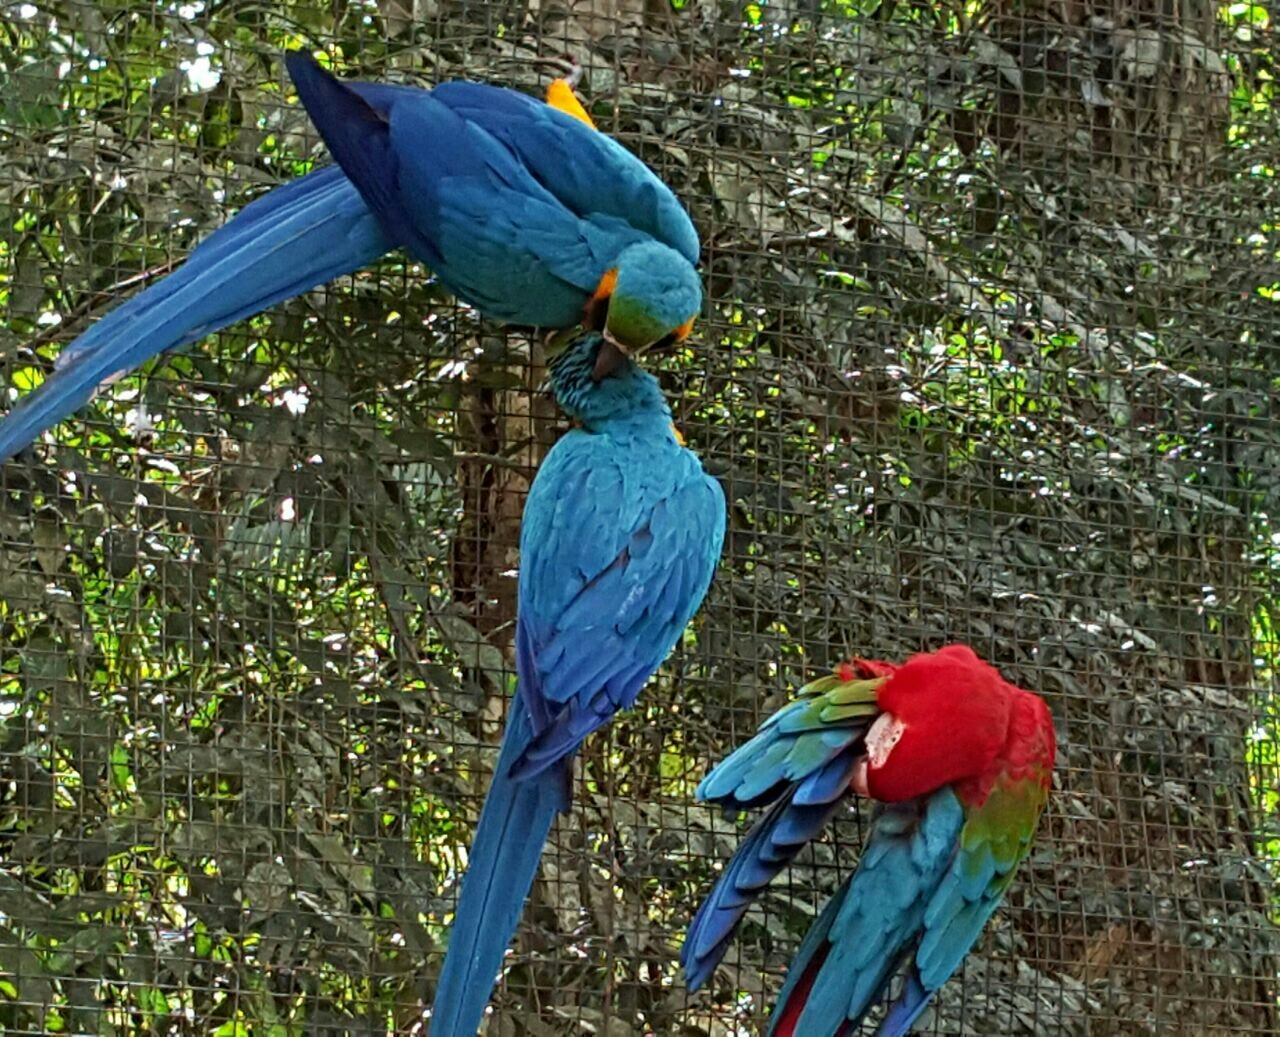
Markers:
point(1026, 758)
point(628, 397)
point(641, 424)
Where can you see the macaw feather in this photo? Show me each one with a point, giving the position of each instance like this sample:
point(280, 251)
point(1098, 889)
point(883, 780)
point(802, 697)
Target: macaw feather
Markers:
point(518, 208)
point(996, 837)
point(872, 921)
point(803, 757)
point(280, 245)
point(560, 95)
point(826, 722)
point(937, 860)
point(932, 873)
point(828, 783)
point(621, 534)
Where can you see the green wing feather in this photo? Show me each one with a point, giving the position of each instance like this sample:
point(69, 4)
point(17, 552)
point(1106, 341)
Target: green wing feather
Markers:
point(803, 757)
point(995, 839)
point(826, 720)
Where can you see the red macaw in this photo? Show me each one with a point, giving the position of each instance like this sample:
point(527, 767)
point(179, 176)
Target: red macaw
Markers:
point(961, 762)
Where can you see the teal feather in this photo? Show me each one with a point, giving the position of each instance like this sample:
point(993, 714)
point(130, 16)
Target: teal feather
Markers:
point(881, 908)
point(622, 529)
point(805, 764)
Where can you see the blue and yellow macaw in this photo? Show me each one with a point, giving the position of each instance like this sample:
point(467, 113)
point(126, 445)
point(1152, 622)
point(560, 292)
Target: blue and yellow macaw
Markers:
point(521, 209)
point(621, 532)
point(961, 762)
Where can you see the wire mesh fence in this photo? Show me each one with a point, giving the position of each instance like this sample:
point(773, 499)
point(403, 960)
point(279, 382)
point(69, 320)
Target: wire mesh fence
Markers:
point(989, 355)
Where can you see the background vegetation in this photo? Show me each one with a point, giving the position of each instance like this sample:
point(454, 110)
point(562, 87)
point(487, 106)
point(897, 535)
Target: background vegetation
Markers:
point(990, 355)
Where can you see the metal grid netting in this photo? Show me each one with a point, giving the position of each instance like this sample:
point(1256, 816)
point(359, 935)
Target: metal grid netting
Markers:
point(989, 356)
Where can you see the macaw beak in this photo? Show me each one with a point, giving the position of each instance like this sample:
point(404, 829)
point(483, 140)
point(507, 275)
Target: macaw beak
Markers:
point(859, 780)
point(613, 353)
point(609, 360)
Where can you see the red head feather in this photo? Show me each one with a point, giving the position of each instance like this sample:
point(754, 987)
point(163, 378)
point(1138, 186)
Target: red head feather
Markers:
point(946, 718)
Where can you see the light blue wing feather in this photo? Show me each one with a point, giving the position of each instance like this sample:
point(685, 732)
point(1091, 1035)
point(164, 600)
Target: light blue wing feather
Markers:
point(587, 171)
point(804, 757)
point(882, 907)
point(931, 877)
point(616, 559)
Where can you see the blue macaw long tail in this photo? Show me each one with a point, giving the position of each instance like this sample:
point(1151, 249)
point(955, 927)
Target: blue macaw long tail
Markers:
point(514, 824)
point(285, 243)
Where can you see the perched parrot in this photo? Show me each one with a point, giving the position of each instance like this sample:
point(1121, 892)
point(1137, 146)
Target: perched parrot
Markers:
point(621, 532)
point(960, 761)
point(520, 208)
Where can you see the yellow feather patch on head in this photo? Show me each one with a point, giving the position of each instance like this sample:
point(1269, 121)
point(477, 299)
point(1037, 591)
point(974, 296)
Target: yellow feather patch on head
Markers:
point(560, 96)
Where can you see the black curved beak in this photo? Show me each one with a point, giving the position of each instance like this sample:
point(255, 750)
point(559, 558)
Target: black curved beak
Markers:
point(609, 360)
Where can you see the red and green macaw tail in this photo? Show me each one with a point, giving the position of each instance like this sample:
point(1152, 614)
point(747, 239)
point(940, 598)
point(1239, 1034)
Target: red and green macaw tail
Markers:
point(961, 762)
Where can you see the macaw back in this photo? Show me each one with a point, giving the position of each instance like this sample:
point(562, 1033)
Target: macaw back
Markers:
point(621, 532)
point(520, 209)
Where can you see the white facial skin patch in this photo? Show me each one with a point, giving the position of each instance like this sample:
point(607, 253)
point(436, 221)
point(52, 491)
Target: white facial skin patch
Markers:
point(881, 737)
point(885, 733)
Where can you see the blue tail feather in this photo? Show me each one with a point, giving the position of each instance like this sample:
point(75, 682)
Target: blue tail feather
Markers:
point(773, 842)
point(283, 244)
point(514, 824)
point(910, 1005)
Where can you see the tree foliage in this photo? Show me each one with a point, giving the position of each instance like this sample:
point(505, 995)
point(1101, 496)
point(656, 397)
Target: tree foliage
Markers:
point(990, 355)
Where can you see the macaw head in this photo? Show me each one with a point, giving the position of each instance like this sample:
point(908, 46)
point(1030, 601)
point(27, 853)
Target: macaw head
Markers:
point(945, 717)
point(651, 298)
point(590, 397)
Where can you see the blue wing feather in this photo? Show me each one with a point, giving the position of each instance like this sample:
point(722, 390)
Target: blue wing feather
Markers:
point(358, 136)
point(971, 891)
point(612, 580)
point(587, 171)
point(810, 770)
point(882, 907)
point(926, 886)
point(791, 748)
point(518, 208)
point(909, 1006)
point(826, 784)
